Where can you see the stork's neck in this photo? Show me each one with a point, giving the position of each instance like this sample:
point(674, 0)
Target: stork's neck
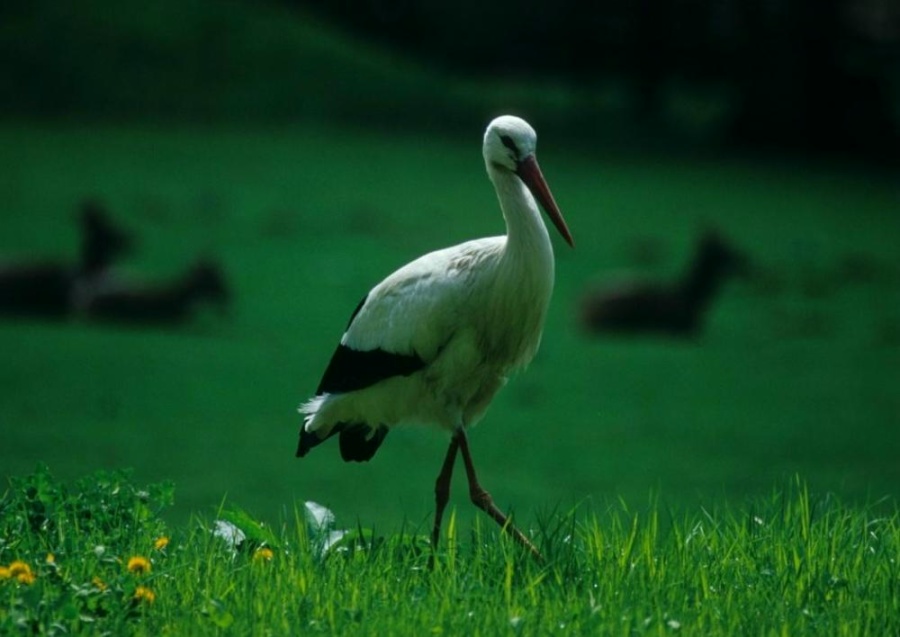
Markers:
point(523, 277)
point(527, 236)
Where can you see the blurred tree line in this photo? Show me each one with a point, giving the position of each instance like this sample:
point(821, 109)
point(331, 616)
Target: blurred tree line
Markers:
point(812, 75)
point(816, 75)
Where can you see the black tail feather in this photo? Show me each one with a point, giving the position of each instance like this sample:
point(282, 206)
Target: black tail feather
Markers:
point(358, 442)
point(309, 440)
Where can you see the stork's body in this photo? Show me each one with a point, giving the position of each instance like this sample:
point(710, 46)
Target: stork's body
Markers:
point(436, 340)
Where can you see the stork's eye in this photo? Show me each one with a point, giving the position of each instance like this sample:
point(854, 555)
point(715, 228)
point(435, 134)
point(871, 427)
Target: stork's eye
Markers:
point(510, 144)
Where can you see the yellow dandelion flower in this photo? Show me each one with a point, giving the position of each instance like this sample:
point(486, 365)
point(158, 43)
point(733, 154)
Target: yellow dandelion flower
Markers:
point(4, 572)
point(18, 568)
point(142, 594)
point(51, 558)
point(26, 578)
point(99, 584)
point(161, 543)
point(21, 572)
point(138, 565)
point(263, 554)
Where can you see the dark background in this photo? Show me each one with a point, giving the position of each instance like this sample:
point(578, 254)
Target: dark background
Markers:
point(804, 75)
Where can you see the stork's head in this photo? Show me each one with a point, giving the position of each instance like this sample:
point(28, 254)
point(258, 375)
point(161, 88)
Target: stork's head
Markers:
point(509, 146)
point(507, 141)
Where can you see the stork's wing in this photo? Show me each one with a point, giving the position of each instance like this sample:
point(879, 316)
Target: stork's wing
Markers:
point(401, 325)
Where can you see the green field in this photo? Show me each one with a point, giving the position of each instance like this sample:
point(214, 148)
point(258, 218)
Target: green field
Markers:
point(796, 373)
point(96, 558)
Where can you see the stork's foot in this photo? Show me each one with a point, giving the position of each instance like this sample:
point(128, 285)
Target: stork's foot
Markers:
point(483, 500)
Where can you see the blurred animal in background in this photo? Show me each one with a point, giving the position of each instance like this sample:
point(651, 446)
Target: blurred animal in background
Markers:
point(102, 242)
point(676, 308)
point(166, 303)
point(47, 288)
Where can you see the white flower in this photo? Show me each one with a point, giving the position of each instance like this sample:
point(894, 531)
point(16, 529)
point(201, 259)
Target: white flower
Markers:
point(321, 527)
point(319, 518)
point(229, 533)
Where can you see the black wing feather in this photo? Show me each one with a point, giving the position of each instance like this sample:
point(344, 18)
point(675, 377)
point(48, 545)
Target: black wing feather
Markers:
point(350, 369)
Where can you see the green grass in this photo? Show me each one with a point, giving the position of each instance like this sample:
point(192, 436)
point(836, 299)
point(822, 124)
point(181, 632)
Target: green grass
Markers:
point(789, 563)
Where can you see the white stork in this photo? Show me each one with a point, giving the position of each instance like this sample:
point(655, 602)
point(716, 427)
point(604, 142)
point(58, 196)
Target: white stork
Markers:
point(435, 340)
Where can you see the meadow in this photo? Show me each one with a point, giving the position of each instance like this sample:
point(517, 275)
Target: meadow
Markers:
point(96, 557)
point(656, 474)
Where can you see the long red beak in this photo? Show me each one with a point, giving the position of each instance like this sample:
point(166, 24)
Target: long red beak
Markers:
point(530, 173)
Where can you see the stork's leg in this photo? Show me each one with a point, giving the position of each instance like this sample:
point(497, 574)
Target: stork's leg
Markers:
point(483, 500)
point(442, 489)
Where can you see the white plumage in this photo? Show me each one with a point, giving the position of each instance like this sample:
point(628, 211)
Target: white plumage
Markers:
point(434, 341)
